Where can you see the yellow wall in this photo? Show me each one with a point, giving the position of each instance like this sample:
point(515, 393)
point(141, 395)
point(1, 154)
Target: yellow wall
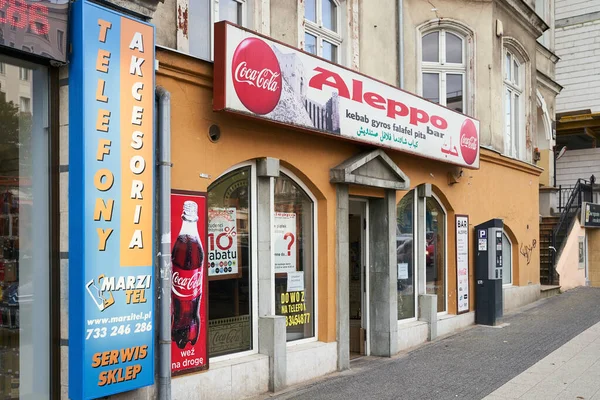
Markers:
point(502, 188)
point(568, 265)
point(594, 257)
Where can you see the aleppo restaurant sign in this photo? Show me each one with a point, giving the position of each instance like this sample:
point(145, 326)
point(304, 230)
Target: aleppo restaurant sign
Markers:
point(262, 78)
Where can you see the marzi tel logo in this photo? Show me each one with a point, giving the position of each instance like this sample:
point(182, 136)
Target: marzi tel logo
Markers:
point(256, 76)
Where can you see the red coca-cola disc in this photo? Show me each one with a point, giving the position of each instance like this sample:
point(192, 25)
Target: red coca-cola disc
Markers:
point(469, 141)
point(256, 76)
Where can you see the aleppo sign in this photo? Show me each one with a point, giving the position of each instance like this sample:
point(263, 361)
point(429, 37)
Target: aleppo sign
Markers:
point(111, 206)
point(265, 79)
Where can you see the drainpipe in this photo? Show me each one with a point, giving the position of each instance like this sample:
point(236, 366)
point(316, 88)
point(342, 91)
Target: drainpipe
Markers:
point(401, 44)
point(163, 99)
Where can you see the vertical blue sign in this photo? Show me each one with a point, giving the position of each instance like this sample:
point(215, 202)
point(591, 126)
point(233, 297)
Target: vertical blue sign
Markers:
point(111, 206)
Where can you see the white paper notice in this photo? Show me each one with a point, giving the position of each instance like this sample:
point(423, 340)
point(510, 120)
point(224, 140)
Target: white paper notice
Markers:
point(284, 230)
point(462, 261)
point(482, 245)
point(295, 281)
point(402, 270)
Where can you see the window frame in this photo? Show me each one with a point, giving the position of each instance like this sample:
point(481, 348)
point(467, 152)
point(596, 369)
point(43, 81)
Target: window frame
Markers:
point(437, 199)
point(466, 68)
point(315, 239)
point(316, 29)
point(214, 18)
point(254, 260)
point(417, 270)
point(414, 258)
point(24, 74)
point(517, 88)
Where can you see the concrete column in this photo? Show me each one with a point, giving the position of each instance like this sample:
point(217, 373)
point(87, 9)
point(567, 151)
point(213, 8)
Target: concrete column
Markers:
point(383, 276)
point(428, 313)
point(342, 266)
point(266, 170)
point(273, 344)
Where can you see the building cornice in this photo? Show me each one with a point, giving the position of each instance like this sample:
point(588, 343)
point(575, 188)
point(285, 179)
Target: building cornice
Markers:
point(547, 82)
point(143, 8)
point(525, 15)
point(491, 156)
point(547, 53)
point(183, 67)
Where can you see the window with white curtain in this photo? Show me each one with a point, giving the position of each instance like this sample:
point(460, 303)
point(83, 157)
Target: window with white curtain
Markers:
point(322, 29)
point(444, 68)
point(514, 118)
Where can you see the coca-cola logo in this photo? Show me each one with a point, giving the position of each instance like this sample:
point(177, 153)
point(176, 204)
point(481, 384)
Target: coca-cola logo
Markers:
point(256, 76)
point(469, 141)
point(187, 283)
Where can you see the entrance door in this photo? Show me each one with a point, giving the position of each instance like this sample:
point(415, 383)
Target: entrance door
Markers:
point(358, 293)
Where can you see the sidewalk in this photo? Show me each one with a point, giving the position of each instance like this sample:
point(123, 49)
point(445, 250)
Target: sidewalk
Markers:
point(479, 361)
point(571, 372)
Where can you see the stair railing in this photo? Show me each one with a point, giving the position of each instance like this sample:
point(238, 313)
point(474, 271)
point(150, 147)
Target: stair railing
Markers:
point(582, 191)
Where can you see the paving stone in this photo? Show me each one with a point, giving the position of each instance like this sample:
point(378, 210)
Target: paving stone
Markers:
point(474, 363)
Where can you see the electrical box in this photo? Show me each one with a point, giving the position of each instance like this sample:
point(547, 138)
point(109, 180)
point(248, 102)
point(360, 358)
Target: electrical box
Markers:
point(488, 272)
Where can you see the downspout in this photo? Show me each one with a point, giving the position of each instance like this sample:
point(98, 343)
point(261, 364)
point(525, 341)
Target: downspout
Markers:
point(400, 44)
point(163, 98)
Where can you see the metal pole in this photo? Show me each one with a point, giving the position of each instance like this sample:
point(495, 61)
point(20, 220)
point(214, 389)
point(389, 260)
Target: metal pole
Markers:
point(400, 44)
point(163, 98)
point(559, 198)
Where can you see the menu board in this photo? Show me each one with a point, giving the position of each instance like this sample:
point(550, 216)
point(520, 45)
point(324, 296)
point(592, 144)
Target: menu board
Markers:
point(462, 262)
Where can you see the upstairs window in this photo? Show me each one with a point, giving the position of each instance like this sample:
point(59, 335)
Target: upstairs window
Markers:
point(322, 27)
point(445, 56)
point(542, 9)
point(514, 116)
point(202, 15)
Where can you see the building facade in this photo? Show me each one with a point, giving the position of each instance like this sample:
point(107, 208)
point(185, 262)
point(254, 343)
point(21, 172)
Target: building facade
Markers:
point(377, 261)
point(578, 130)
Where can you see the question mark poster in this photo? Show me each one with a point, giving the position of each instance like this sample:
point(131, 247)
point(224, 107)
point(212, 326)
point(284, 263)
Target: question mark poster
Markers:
point(284, 232)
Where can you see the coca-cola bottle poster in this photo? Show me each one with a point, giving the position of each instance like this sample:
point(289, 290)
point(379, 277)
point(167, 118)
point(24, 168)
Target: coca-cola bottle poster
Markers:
point(189, 282)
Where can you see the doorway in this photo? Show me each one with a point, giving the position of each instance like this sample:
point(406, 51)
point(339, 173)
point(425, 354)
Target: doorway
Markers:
point(358, 282)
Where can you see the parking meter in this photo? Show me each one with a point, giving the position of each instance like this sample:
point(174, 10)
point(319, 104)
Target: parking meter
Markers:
point(488, 272)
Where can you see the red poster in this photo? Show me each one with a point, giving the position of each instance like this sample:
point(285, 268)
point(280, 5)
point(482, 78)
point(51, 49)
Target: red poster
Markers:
point(189, 279)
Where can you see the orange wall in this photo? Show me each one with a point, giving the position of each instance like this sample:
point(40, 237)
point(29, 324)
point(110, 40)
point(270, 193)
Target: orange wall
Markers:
point(501, 188)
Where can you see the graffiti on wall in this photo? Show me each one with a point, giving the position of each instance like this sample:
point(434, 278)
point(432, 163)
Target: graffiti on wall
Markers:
point(527, 250)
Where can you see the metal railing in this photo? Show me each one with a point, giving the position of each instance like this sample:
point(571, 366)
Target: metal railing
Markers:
point(570, 199)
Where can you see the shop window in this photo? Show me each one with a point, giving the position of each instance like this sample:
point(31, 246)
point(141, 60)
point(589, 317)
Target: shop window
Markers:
point(25, 238)
point(204, 13)
point(446, 49)
point(435, 251)
point(514, 115)
point(405, 234)
point(230, 296)
point(321, 26)
point(506, 260)
point(294, 258)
